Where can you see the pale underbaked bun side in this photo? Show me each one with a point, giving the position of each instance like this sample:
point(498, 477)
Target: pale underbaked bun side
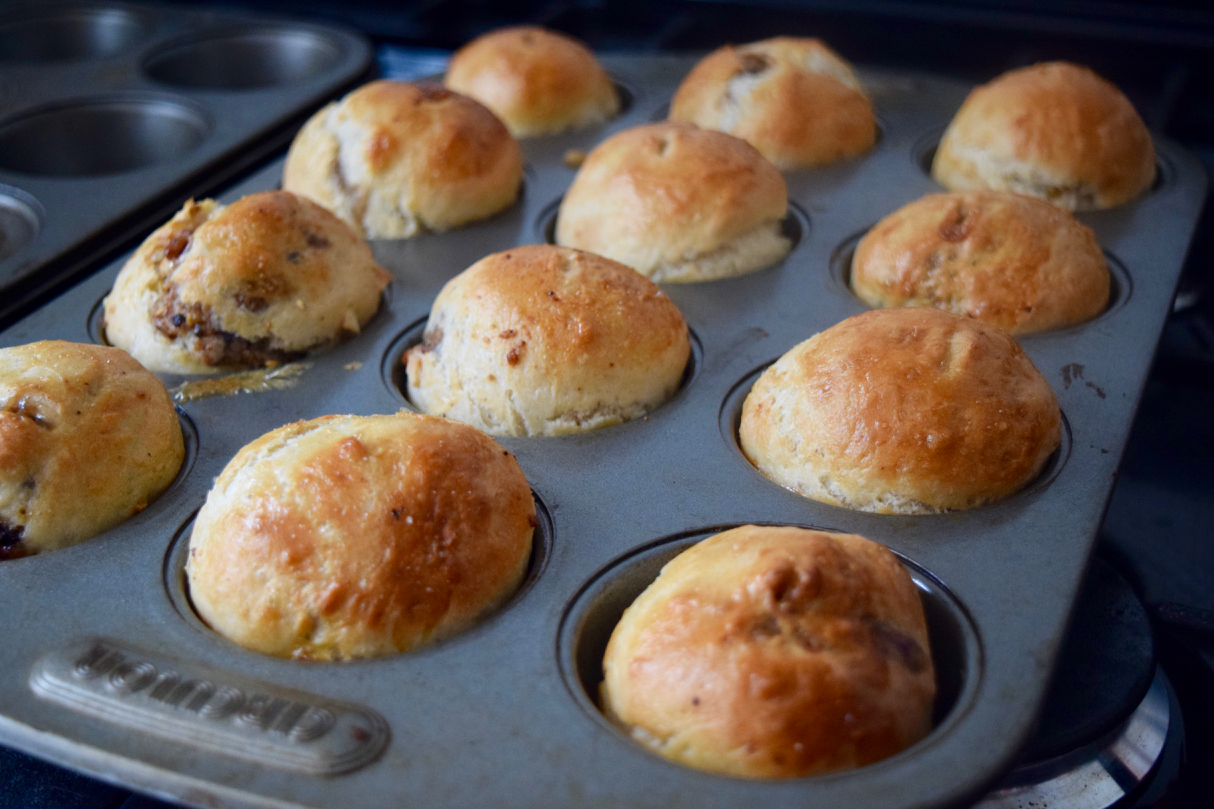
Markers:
point(539, 82)
point(794, 99)
point(774, 652)
point(1011, 261)
point(88, 437)
point(677, 203)
point(360, 536)
point(902, 411)
point(544, 340)
point(260, 281)
point(396, 159)
point(1053, 130)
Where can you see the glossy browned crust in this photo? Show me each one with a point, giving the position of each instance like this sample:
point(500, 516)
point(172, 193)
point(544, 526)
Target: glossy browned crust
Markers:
point(1008, 260)
point(659, 196)
point(262, 280)
point(360, 536)
point(88, 438)
point(544, 340)
point(537, 81)
point(902, 411)
point(395, 159)
point(773, 653)
point(1053, 130)
point(793, 99)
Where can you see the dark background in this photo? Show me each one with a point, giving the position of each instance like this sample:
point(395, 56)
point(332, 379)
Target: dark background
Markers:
point(1159, 530)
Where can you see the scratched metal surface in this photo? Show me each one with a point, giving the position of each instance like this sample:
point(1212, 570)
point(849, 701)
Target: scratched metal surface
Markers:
point(105, 107)
point(502, 714)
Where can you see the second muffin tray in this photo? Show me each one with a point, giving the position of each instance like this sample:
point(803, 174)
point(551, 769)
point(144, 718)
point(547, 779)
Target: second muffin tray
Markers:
point(108, 670)
point(109, 110)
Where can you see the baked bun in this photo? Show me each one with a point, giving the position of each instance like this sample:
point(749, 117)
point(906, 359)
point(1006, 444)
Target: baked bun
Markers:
point(902, 411)
point(774, 653)
point(360, 536)
point(544, 340)
point(1055, 131)
point(793, 99)
point(396, 159)
point(677, 203)
point(537, 81)
point(258, 282)
point(1008, 260)
point(88, 437)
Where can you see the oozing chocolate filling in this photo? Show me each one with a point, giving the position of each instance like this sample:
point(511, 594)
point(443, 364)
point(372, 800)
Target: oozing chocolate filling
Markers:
point(11, 546)
point(213, 346)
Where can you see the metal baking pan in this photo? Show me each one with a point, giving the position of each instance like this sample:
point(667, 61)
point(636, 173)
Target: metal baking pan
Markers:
point(112, 111)
point(108, 670)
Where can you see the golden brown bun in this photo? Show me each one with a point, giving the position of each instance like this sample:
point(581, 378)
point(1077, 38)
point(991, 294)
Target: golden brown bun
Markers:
point(1055, 131)
point(360, 536)
point(1008, 260)
point(677, 203)
point(545, 340)
point(88, 438)
point(794, 99)
point(395, 159)
point(902, 411)
point(537, 81)
point(260, 281)
point(774, 653)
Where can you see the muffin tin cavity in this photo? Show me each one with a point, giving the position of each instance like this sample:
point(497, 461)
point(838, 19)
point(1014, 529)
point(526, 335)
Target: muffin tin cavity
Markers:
point(71, 34)
point(177, 587)
point(1120, 284)
point(392, 367)
point(626, 96)
point(246, 59)
point(731, 419)
point(793, 227)
point(594, 611)
point(20, 220)
point(101, 136)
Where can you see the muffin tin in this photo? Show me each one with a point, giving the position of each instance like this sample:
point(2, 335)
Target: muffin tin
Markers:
point(112, 111)
point(108, 670)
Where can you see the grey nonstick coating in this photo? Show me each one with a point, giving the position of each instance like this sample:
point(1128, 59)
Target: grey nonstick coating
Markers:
point(504, 715)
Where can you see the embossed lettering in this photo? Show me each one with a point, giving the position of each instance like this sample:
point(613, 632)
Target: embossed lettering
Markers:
point(289, 717)
point(162, 688)
point(131, 677)
point(260, 711)
point(227, 701)
point(96, 661)
point(315, 722)
point(217, 712)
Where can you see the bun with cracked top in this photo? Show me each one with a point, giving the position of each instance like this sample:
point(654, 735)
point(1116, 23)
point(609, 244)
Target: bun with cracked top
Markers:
point(88, 438)
point(1054, 130)
point(397, 159)
point(1008, 260)
point(360, 536)
point(774, 652)
point(794, 99)
point(677, 203)
point(258, 282)
point(902, 411)
point(544, 340)
point(539, 82)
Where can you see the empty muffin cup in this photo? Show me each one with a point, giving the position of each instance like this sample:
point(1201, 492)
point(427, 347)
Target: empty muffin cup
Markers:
point(244, 59)
point(70, 34)
point(101, 136)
